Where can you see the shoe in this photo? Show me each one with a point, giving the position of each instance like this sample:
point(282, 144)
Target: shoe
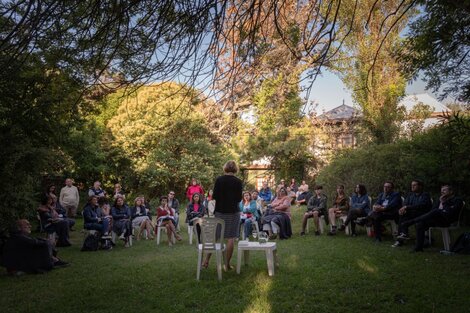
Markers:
point(378, 240)
point(317, 233)
point(354, 235)
point(178, 237)
point(122, 237)
point(60, 263)
point(331, 233)
point(342, 228)
point(360, 221)
point(403, 236)
point(416, 250)
point(302, 233)
point(397, 244)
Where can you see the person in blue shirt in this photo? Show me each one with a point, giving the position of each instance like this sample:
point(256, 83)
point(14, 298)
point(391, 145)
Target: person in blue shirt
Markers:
point(265, 193)
point(385, 208)
point(359, 207)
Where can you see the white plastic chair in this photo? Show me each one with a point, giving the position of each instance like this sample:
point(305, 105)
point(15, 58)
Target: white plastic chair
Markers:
point(321, 222)
point(446, 230)
point(209, 243)
point(114, 236)
point(161, 228)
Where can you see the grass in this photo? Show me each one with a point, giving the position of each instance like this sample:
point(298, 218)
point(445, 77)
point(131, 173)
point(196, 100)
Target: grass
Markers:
point(316, 274)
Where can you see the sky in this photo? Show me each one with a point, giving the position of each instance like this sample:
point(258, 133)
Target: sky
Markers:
point(328, 91)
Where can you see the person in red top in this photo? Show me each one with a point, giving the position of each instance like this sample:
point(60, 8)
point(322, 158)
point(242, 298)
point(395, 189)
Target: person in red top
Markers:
point(166, 216)
point(193, 188)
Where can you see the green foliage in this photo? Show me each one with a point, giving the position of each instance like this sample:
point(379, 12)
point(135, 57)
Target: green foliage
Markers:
point(367, 65)
point(279, 132)
point(437, 44)
point(160, 131)
point(440, 156)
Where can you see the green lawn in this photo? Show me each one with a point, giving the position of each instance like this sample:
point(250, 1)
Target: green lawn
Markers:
point(316, 274)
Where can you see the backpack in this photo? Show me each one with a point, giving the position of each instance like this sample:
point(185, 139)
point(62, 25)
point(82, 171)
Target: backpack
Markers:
point(91, 243)
point(106, 244)
point(462, 244)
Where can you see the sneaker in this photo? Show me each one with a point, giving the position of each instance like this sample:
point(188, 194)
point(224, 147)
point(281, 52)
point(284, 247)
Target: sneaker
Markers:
point(397, 244)
point(302, 233)
point(60, 263)
point(403, 236)
point(317, 233)
point(342, 228)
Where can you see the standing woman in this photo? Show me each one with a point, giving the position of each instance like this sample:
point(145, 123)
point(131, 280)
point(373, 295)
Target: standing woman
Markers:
point(227, 195)
point(193, 188)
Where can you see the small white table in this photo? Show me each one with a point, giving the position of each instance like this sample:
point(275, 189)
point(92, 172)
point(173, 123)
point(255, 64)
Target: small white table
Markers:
point(244, 248)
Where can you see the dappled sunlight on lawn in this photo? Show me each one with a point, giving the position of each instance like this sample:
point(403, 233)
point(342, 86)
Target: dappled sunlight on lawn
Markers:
point(259, 289)
point(367, 266)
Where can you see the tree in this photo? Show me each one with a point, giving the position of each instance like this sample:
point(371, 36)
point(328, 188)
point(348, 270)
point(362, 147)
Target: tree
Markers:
point(438, 44)
point(166, 139)
point(367, 65)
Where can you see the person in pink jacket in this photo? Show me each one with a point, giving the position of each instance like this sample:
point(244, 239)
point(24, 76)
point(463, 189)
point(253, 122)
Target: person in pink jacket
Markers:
point(193, 188)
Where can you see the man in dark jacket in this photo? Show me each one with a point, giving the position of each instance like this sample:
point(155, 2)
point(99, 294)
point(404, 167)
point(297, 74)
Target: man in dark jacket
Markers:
point(445, 212)
point(385, 208)
point(23, 253)
point(417, 203)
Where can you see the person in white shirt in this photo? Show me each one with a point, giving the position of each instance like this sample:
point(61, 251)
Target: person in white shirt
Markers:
point(69, 198)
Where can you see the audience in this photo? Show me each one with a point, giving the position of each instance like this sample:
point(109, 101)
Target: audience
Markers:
point(416, 204)
point(445, 212)
point(118, 191)
point(265, 193)
point(51, 222)
point(385, 208)
point(249, 214)
point(96, 190)
point(140, 218)
point(195, 209)
point(293, 186)
point(303, 196)
point(277, 218)
point(23, 253)
point(359, 207)
point(340, 208)
point(69, 198)
point(122, 220)
point(166, 218)
point(193, 188)
point(92, 217)
point(316, 207)
point(175, 205)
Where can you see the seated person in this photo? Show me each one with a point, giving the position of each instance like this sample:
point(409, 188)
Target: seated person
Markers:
point(359, 207)
point(51, 222)
point(166, 218)
point(259, 202)
point(62, 213)
point(385, 208)
point(249, 214)
point(96, 190)
point(92, 219)
point(277, 218)
point(140, 218)
point(291, 194)
point(265, 193)
point(118, 191)
point(23, 253)
point(195, 209)
point(303, 197)
point(316, 207)
point(175, 205)
point(340, 208)
point(122, 219)
point(416, 204)
point(445, 212)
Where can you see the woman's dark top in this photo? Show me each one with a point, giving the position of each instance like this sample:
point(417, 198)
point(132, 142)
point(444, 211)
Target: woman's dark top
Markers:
point(227, 194)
